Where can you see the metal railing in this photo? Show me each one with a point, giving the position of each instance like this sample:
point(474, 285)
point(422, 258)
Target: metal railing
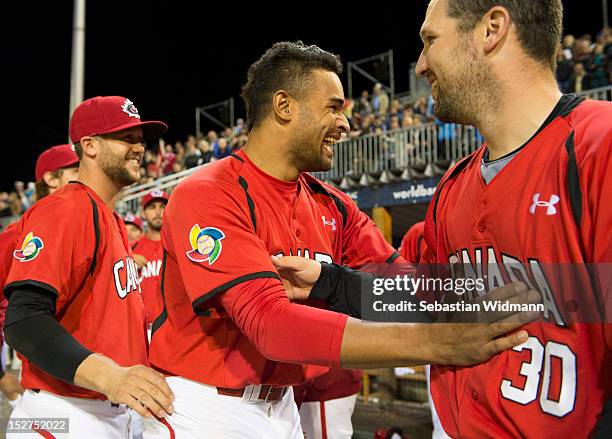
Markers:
point(372, 154)
point(398, 149)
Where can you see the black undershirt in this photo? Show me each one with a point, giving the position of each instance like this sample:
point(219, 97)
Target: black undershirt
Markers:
point(32, 329)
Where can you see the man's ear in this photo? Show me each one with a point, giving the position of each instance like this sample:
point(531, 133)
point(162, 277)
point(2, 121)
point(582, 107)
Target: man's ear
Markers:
point(50, 180)
point(283, 106)
point(497, 24)
point(90, 146)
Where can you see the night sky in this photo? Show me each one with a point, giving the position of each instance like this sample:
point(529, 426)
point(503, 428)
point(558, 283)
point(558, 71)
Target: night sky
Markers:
point(171, 56)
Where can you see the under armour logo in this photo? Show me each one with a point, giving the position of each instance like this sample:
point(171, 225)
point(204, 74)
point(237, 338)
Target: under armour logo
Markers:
point(331, 223)
point(550, 205)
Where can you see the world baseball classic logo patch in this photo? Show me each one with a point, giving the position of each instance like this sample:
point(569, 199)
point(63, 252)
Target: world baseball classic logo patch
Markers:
point(31, 247)
point(205, 244)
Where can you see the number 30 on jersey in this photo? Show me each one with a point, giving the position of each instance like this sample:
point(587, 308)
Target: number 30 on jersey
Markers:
point(540, 369)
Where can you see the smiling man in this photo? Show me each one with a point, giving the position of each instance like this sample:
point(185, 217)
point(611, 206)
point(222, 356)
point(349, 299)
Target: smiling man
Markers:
point(228, 337)
point(536, 193)
point(75, 311)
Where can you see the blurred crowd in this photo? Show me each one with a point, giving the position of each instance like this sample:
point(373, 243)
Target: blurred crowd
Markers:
point(584, 63)
point(165, 159)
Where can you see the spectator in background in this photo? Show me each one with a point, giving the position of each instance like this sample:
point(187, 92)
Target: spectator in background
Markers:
point(23, 197)
point(179, 150)
point(394, 123)
point(355, 124)
point(228, 133)
point(394, 110)
point(222, 150)
point(240, 126)
point(212, 138)
point(193, 155)
point(379, 124)
point(167, 157)
point(568, 47)
point(407, 112)
point(363, 106)
point(152, 164)
point(420, 106)
point(177, 167)
point(407, 122)
point(205, 150)
point(596, 67)
point(366, 124)
point(380, 100)
point(15, 204)
point(134, 227)
point(579, 80)
point(30, 192)
point(582, 50)
point(190, 140)
point(564, 70)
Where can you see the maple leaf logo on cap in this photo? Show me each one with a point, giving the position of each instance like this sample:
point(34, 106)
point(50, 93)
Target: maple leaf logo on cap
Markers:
point(130, 109)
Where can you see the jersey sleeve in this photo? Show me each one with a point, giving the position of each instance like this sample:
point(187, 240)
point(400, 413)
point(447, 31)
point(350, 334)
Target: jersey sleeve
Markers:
point(596, 182)
point(282, 330)
point(8, 240)
point(52, 250)
point(214, 241)
point(593, 141)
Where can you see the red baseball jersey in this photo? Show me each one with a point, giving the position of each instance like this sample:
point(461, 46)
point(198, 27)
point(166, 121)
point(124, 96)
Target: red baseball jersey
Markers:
point(549, 204)
point(8, 240)
point(220, 228)
point(73, 246)
point(149, 275)
point(413, 244)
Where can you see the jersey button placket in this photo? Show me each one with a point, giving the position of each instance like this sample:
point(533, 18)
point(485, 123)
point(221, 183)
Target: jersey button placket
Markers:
point(481, 227)
point(474, 395)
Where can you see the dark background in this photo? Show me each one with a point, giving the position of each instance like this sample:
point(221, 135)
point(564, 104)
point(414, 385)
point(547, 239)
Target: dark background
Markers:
point(171, 56)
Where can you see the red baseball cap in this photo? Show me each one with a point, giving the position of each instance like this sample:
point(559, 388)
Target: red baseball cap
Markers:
point(109, 114)
point(54, 158)
point(155, 194)
point(130, 218)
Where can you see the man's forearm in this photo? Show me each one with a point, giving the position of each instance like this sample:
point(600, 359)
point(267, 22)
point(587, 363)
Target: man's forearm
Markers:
point(95, 372)
point(372, 345)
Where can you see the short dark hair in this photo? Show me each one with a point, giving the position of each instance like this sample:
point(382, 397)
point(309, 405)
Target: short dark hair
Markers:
point(287, 66)
point(539, 23)
point(42, 190)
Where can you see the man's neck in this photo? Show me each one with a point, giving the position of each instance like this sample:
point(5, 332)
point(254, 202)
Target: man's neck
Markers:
point(267, 149)
point(153, 235)
point(100, 183)
point(524, 105)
